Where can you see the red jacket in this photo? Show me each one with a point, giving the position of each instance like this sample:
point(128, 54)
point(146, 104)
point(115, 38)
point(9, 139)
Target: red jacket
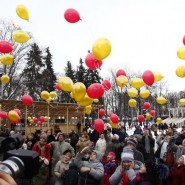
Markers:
point(46, 153)
point(177, 175)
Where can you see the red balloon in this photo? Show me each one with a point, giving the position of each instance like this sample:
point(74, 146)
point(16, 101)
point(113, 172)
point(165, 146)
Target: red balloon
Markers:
point(92, 63)
point(114, 118)
point(57, 87)
point(106, 84)
point(39, 123)
point(35, 119)
point(152, 112)
point(146, 105)
point(95, 91)
point(5, 47)
point(27, 100)
point(18, 111)
point(140, 118)
point(42, 119)
point(71, 15)
point(3, 114)
point(99, 125)
point(148, 77)
point(183, 40)
point(121, 72)
point(102, 112)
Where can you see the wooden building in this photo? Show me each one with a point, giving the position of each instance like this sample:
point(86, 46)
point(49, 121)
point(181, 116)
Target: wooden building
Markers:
point(62, 115)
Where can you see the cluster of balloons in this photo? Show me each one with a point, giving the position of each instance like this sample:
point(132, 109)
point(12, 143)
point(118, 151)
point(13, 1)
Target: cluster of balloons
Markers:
point(114, 119)
point(84, 97)
point(180, 70)
point(38, 121)
point(48, 96)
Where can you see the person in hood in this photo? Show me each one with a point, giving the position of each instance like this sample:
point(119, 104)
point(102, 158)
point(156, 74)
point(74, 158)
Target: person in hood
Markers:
point(91, 171)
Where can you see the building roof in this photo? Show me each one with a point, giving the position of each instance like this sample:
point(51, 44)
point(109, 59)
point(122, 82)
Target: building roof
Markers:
point(53, 109)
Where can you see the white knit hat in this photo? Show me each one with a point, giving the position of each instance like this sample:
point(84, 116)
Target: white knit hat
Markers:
point(127, 154)
point(116, 136)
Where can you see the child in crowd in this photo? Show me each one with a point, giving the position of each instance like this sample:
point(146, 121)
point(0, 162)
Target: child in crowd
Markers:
point(62, 167)
point(110, 165)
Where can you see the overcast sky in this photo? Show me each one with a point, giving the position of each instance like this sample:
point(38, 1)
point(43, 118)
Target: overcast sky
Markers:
point(144, 34)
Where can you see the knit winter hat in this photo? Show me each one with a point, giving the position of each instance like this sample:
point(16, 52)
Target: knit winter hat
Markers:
point(43, 136)
point(127, 154)
point(116, 136)
point(112, 155)
point(132, 142)
point(60, 133)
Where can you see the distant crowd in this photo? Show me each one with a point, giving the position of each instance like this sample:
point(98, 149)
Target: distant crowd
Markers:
point(152, 155)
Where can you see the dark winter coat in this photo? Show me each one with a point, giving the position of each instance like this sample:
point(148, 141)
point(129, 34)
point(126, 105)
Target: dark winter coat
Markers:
point(177, 175)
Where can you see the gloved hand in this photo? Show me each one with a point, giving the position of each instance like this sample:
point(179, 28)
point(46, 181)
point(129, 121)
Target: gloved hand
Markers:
point(46, 162)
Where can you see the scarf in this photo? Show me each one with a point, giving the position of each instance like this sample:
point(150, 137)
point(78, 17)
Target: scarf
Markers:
point(41, 148)
point(124, 179)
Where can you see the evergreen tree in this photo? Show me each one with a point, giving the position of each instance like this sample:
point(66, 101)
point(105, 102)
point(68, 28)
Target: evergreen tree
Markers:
point(33, 72)
point(92, 76)
point(48, 73)
point(70, 72)
point(81, 71)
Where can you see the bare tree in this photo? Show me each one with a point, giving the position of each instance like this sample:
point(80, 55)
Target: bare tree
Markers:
point(14, 71)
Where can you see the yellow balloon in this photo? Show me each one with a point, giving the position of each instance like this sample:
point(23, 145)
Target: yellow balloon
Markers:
point(65, 83)
point(13, 116)
point(96, 100)
point(113, 125)
point(20, 36)
point(137, 83)
point(5, 79)
point(182, 102)
point(144, 93)
point(46, 118)
point(87, 112)
point(148, 115)
point(159, 120)
point(101, 48)
point(157, 76)
point(180, 71)
point(161, 100)
point(53, 94)
point(132, 92)
point(132, 103)
point(45, 95)
point(7, 59)
point(71, 95)
point(29, 118)
point(181, 53)
point(49, 99)
point(22, 12)
point(86, 101)
point(79, 91)
point(89, 107)
point(122, 81)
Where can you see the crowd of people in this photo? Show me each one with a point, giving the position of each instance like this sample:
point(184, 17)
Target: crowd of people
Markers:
point(112, 157)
